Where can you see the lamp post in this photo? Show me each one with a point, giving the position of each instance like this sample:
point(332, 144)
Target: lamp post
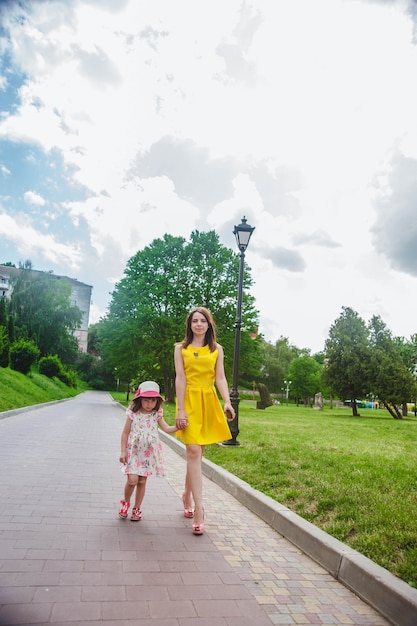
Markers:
point(287, 384)
point(243, 233)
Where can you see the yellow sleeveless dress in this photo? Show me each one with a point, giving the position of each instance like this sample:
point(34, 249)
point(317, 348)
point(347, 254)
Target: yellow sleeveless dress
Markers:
point(206, 421)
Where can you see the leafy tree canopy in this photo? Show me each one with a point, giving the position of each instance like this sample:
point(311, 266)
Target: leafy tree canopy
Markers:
point(366, 360)
point(161, 284)
point(276, 359)
point(392, 382)
point(305, 375)
point(347, 357)
point(42, 310)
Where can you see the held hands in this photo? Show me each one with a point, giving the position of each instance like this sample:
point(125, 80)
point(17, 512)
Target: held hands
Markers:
point(181, 421)
point(229, 411)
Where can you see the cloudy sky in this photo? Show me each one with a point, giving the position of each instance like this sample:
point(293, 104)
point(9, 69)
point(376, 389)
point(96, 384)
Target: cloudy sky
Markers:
point(123, 121)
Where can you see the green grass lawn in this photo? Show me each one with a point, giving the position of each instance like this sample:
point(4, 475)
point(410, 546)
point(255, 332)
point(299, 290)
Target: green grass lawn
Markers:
point(18, 390)
point(353, 477)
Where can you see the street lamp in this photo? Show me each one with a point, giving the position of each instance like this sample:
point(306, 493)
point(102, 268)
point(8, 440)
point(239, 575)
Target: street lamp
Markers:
point(243, 233)
point(287, 384)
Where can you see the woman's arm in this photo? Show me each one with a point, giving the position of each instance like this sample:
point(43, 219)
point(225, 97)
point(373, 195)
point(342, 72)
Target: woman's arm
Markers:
point(180, 384)
point(222, 386)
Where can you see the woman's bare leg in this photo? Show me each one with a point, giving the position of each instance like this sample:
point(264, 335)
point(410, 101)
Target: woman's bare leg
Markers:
point(194, 479)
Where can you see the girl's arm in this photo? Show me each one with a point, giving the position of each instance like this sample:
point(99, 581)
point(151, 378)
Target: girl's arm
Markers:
point(222, 386)
point(180, 384)
point(166, 427)
point(123, 440)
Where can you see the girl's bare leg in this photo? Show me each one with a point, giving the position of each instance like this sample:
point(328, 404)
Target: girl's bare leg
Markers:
point(131, 483)
point(140, 491)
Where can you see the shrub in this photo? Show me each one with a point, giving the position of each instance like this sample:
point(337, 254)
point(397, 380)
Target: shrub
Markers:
point(23, 354)
point(68, 377)
point(50, 366)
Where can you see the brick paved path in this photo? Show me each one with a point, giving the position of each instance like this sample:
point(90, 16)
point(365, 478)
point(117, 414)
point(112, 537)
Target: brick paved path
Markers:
point(66, 558)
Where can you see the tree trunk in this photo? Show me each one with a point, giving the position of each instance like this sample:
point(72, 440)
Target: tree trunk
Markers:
point(393, 410)
point(398, 414)
point(169, 388)
point(354, 408)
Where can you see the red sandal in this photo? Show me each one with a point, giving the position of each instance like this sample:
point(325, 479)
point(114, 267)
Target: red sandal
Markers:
point(124, 510)
point(136, 515)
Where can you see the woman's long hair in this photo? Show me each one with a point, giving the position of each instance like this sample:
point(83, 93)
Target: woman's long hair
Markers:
point(210, 337)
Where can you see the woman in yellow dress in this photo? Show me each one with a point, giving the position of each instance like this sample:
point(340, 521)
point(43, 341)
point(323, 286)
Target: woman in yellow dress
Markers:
point(199, 364)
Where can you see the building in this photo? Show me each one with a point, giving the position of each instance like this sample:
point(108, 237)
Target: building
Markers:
point(80, 296)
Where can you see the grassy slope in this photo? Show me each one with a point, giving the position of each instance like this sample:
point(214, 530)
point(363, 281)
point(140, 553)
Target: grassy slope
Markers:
point(18, 390)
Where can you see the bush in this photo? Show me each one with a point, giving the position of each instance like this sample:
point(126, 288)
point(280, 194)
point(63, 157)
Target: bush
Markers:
point(50, 366)
point(68, 377)
point(23, 354)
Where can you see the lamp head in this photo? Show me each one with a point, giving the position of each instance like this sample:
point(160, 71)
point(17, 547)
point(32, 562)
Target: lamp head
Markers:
point(243, 233)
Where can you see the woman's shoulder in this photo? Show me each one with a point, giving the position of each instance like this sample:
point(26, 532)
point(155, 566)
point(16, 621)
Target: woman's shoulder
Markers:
point(218, 347)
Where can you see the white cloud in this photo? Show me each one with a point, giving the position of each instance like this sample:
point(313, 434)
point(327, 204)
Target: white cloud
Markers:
point(30, 241)
point(31, 197)
point(176, 116)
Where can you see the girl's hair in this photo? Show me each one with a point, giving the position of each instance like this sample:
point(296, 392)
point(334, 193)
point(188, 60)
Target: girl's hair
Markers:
point(210, 338)
point(136, 404)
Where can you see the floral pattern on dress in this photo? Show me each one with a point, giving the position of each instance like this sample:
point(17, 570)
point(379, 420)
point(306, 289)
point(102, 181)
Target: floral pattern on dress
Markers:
point(144, 448)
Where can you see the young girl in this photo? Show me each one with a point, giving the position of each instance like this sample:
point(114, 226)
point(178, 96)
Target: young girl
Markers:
point(141, 449)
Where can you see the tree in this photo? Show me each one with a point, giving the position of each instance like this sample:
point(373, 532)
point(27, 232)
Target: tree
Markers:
point(3, 312)
point(4, 347)
point(4, 335)
point(161, 284)
point(10, 329)
point(408, 351)
point(276, 360)
point(93, 341)
point(347, 361)
point(42, 310)
point(305, 375)
point(391, 381)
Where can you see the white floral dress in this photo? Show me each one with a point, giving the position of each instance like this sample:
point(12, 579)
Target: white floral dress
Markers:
point(144, 448)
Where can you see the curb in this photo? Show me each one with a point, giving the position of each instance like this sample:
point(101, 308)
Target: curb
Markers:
point(31, 407)
point(387, 594)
